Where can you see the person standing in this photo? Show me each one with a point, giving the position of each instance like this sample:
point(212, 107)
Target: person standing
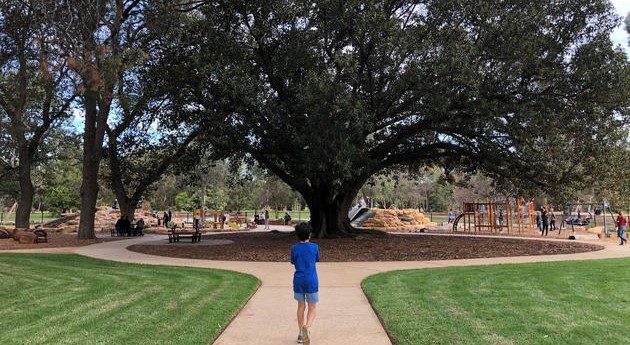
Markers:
point(545, 222)
point(450, 216)
point(552, 220)
point(221, 220)
point(622, 223)
point(266, 219)
point(304, 256)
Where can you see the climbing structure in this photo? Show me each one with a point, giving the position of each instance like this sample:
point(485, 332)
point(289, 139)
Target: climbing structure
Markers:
point(496, 216)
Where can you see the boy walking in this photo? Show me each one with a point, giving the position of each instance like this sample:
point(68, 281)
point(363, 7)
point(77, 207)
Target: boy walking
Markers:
point(304, 255)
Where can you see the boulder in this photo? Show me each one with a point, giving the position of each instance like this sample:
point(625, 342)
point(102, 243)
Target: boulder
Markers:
point(4, 234)
point(68, 229)
point(24, 236)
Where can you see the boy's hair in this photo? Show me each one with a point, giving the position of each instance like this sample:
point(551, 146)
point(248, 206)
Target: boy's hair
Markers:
point(303, 231)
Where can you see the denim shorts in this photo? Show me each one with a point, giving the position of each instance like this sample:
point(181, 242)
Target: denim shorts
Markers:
point(308, 297)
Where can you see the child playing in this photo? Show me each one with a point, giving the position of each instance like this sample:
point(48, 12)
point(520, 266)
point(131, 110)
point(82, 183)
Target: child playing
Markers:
point(304, 255)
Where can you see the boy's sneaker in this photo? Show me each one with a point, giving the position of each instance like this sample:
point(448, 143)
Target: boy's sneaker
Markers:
point(305, 336)
point(299, 339)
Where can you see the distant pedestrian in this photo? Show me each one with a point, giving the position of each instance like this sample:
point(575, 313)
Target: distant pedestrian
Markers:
point(552, 220)
point(221, 220)
point(287, 218)
point(450, 216)
point(266, 219)
point(165, 219)
point(304, 256)
point(539, 221)
point(500, 219)
point(545, 222)
point(120, 226)
point(622, 223)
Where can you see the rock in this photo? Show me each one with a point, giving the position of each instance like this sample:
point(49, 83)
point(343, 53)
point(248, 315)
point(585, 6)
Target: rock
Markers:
point(69, 229)
point(4, 234)
point(27, 238)
point(23, 236)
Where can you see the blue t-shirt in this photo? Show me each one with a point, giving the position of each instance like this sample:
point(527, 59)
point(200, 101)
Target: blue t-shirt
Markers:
point(304, 255)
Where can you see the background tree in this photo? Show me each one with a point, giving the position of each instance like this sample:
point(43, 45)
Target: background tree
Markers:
point(326, 94)
point(35, 90)
point(274, 193)
point(57, 177)
point(96, 37)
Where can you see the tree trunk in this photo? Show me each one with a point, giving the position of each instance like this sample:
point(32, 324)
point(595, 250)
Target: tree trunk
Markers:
point(127, 206)
point(25, 203)
point(89, 194)
point(95, 122)
point(329, 216)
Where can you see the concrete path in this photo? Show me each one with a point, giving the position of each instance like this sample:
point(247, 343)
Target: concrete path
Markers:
point(344, 314)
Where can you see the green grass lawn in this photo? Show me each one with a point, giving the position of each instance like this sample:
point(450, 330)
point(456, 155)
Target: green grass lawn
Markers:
point(438, 218)
point(36, 218)
point(69, 299)
point(584, 302)
point(278, 214)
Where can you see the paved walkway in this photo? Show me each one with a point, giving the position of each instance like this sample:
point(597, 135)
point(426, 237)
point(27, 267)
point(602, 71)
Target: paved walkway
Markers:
point(344, 314)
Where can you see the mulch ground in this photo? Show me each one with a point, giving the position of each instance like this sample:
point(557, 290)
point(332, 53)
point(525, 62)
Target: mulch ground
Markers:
point(54, 241)
point(276, 247)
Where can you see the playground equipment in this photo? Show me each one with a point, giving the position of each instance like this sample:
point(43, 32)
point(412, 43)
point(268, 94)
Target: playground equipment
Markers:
point(582, 219)
point(497, 216)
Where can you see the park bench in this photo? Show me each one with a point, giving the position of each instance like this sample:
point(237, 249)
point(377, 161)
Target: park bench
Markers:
point(42, 236)
point(175, 235)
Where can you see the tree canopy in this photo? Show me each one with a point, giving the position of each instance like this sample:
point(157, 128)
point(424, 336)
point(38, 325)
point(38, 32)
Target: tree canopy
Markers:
point(325, 94)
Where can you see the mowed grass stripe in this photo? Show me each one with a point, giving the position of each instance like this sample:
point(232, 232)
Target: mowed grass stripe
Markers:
point(582, 302)
point(69, 299)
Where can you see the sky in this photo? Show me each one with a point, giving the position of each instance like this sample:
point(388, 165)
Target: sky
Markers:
point(620, 35)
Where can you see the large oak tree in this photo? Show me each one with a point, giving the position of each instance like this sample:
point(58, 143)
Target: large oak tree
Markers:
point(327, 93)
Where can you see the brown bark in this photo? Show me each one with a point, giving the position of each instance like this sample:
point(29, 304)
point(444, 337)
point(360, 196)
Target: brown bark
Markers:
point(95, 122)
point(329, 215)
point(127, 206)
point(25, 203)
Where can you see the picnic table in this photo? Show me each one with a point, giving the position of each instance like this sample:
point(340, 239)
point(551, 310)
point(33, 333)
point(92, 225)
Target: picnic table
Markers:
point(175, 235)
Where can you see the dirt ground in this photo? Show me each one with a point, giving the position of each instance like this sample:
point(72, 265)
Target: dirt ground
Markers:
point(54, 241)
point(276, 246)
